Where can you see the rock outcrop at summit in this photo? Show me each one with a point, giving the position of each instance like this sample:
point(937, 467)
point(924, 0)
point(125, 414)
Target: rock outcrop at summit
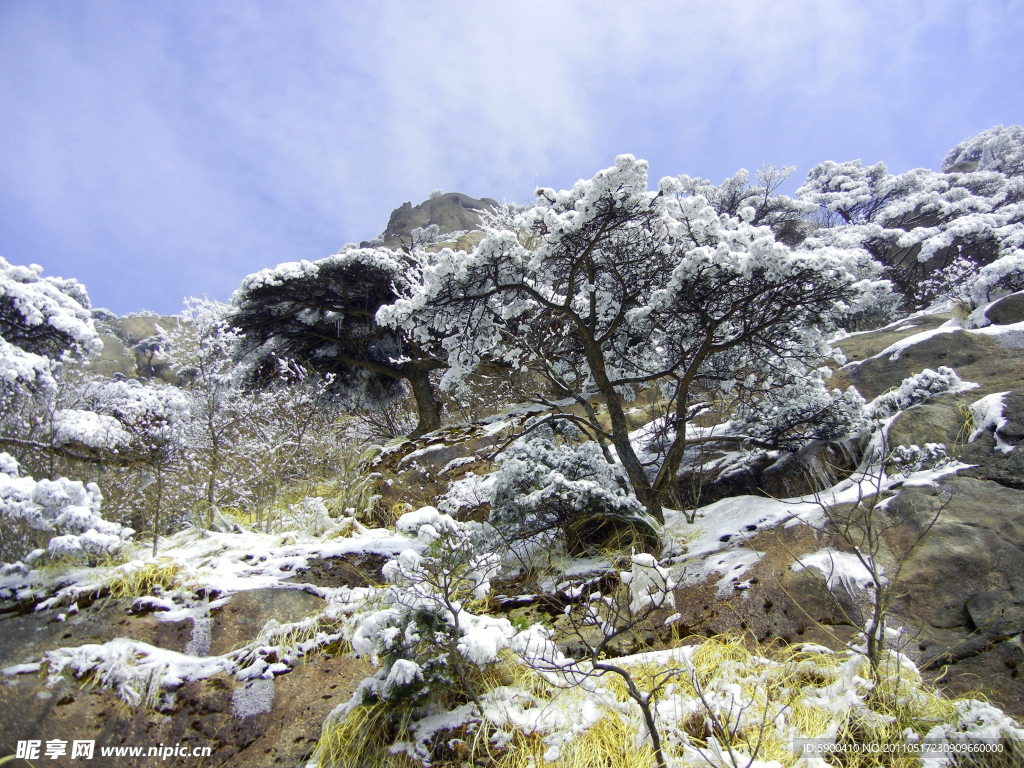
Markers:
point(451, 212)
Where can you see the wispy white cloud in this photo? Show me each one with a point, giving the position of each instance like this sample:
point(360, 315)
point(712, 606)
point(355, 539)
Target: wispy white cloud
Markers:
point(161, 149)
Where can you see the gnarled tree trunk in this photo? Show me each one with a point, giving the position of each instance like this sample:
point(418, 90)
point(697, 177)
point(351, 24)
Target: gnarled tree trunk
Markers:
point(428, 407)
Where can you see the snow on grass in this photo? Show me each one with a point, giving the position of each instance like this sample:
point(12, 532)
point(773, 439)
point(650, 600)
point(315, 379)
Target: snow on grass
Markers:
point(766, 701)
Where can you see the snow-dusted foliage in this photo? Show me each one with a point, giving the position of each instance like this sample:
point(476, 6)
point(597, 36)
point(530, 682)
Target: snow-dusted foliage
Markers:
point(916, 389)
point(973, 211)
point(97, 431)
point(1003, 275)
point(24, 377)
point(24, 370)
point(800, 411)
point(425, 636)
point(758, 204)
point(201, 345)
point(550, 491)
point(309, 515)
point(200, 349)
point(45, 324)
point(151, 415)
point(610, 287)
point(998, 149)
point(321, 314)
point(46, 316)
point(65, 511)
point(956, 282)
point(908, 459)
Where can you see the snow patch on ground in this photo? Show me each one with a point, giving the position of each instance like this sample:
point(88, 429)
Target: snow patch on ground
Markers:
point(838, 569)
point(988, 413)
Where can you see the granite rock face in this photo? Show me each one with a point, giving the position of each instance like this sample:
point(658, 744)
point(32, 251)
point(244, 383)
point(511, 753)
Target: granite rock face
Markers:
point(260, 722)
point(130, 348)
point(1007, 311)
point(451, 212)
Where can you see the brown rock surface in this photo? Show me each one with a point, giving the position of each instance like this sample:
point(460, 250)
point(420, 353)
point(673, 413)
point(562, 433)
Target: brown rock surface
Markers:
point(201, 715)
point(974, 357)
point(240, 621)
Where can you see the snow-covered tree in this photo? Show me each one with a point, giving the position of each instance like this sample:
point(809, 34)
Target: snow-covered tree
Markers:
point(295, 428)
point(200, 349)
point(759, 204)
point(610, 288)
point(921, 221)
point(998, 149)
point(797, 412)
point(45, 327)
point(47, 316)
point(45, 323)
point(143, 424)
point(322, 315)
point(425, 635)
point(549, 492)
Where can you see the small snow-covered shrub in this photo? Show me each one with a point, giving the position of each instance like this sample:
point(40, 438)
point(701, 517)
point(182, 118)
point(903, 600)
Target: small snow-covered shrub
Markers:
point(66, 512)
point(432, 648)
point(549, 490)
point(917, 389)
point(1005, 274)
point(954, 283)
point(792, 415)
point(309, 515)
point(907, 459)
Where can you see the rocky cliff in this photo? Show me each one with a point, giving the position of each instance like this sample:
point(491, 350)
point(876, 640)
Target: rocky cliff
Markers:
point(451, 212)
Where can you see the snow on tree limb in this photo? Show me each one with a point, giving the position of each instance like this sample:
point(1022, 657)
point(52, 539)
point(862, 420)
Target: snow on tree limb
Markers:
point(45, 315)
point(609, 287)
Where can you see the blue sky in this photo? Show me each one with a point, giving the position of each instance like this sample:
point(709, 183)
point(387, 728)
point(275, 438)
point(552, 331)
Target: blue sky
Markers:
point(156, 150)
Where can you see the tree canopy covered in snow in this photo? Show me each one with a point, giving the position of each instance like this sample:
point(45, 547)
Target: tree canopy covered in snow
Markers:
point(922, 220)
point(612, 288)
point(322, 314)
point(46, 316)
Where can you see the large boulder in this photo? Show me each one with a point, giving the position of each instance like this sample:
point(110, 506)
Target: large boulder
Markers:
point(965, 567)
point(1007, 311)
point(974, 357)
point(130, 347)
point(245, 724)
point(937, 421)
point(240, 621)
point(813, 468)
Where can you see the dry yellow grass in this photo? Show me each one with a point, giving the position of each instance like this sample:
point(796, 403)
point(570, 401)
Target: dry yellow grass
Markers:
point(161, 575)
point(784, 689)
